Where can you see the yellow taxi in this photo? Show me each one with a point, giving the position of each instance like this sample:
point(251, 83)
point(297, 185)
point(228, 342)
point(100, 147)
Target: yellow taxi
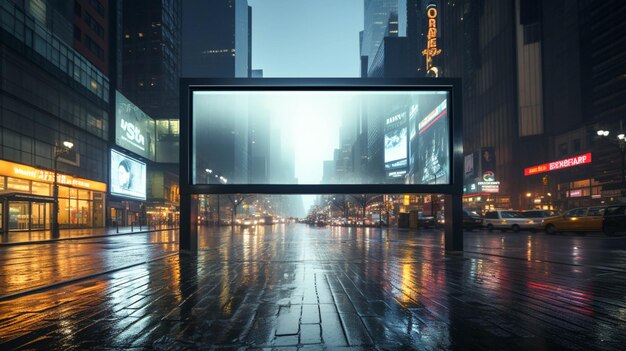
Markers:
point(580, 220)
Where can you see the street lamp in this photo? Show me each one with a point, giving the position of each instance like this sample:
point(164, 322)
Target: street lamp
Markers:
point(208, 173)
point(620, 142)
point(58, 151)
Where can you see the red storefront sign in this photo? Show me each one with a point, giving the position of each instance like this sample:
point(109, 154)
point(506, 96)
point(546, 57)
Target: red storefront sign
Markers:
point(560, 164)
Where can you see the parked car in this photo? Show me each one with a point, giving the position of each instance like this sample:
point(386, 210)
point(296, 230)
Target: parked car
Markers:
point(509, 219)
point(578, 220)
point(614, 220)
point(425, 221)
point(472, 220)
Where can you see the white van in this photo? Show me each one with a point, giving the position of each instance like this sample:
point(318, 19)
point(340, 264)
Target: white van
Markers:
point(508, 219)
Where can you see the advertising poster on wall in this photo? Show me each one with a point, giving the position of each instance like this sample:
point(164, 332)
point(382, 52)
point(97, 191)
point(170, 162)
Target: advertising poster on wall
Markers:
point(128, 176)
point(470, 166)
point(396, 145)
point(433, 162)
point(134, 129)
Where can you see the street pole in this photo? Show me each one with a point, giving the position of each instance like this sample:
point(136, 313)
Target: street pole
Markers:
point(55, 196)
point(622, 148)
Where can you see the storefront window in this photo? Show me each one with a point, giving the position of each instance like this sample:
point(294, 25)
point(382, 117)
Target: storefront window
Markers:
point(1, 183)
point(18, 184)
point(41, 189)
point(83, 214)
point(64, 212)
point(18, 215)
point(64, 191)
point(84, 194)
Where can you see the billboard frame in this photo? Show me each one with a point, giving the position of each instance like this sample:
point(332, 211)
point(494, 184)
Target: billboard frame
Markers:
point(190, 191)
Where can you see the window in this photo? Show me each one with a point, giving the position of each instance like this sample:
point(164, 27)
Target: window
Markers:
point(97, 6)
point(562, 149)
point(77, 33)
point(509, 214)
point(491, 215)
point(595, 211)
point(577, 212)
point(94, 25)
point(576, 145)
point(94, 47)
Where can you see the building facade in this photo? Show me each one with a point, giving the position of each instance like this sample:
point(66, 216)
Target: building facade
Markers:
point(564, 82)
point(50, 93)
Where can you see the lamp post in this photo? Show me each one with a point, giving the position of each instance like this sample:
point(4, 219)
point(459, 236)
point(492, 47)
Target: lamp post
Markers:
point(58, 151)
point(209, 173)
point(620, 141)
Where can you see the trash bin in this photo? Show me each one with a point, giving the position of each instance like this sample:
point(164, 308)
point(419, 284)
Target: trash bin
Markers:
point(403, 220)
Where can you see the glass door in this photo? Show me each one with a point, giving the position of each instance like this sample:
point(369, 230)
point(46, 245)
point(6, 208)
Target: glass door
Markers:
point(39, 216)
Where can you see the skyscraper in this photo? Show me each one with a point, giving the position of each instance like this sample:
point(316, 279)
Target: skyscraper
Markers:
point(151, 55)
point(217, 38)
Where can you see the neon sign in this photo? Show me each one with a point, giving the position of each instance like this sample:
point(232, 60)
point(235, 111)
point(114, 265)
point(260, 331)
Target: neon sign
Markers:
point(431, 44)
point(556, 165)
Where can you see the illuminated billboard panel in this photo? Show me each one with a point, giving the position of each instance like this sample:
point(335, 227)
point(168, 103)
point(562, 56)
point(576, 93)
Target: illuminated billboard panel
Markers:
point(396, 145)
point(432, 162)
point(560, 164)
point(320, 136)
point(128, 176)
point(134, 129)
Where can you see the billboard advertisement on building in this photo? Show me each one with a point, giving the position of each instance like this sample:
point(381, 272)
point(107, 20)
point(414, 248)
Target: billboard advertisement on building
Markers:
point(488, 164)
point(128, 176)
point(134, 129)
point(396, 145)
point(433, 140)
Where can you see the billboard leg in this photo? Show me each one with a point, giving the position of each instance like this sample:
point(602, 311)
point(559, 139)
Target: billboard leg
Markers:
point(188, 234)
point(453, 223)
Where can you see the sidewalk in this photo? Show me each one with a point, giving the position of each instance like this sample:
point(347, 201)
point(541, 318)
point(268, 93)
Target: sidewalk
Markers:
point(68, 234)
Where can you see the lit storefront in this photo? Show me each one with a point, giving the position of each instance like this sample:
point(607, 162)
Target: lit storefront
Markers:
point(81, 201)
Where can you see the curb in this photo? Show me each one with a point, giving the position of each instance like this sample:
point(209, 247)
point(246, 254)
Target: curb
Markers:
point(49, 241)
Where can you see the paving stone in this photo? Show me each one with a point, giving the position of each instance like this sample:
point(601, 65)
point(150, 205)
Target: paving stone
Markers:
point(355, 330)
point(288, 320)
point(310, 334)
point(332, 331)
point(310, 314)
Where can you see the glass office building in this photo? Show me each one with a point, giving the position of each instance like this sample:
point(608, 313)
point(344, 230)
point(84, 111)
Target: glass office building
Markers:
point(49, 93)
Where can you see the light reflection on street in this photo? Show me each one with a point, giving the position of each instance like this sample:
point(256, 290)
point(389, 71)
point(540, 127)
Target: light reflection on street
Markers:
point(400, 284)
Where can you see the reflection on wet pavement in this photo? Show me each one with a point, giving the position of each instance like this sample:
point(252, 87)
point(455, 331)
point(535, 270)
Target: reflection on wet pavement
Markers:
point(298, 286)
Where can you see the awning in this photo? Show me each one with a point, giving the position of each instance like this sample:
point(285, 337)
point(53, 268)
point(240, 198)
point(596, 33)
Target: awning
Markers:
point(19, 196)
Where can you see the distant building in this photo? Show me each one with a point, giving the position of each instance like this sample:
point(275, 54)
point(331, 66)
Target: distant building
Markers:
point(151, 55)
point(217, 38)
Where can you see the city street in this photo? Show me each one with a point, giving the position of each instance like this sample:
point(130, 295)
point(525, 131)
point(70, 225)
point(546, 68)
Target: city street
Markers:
point(296, 286)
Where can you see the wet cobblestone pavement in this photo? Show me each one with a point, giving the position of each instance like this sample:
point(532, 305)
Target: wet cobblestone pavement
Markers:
point(295, 287)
